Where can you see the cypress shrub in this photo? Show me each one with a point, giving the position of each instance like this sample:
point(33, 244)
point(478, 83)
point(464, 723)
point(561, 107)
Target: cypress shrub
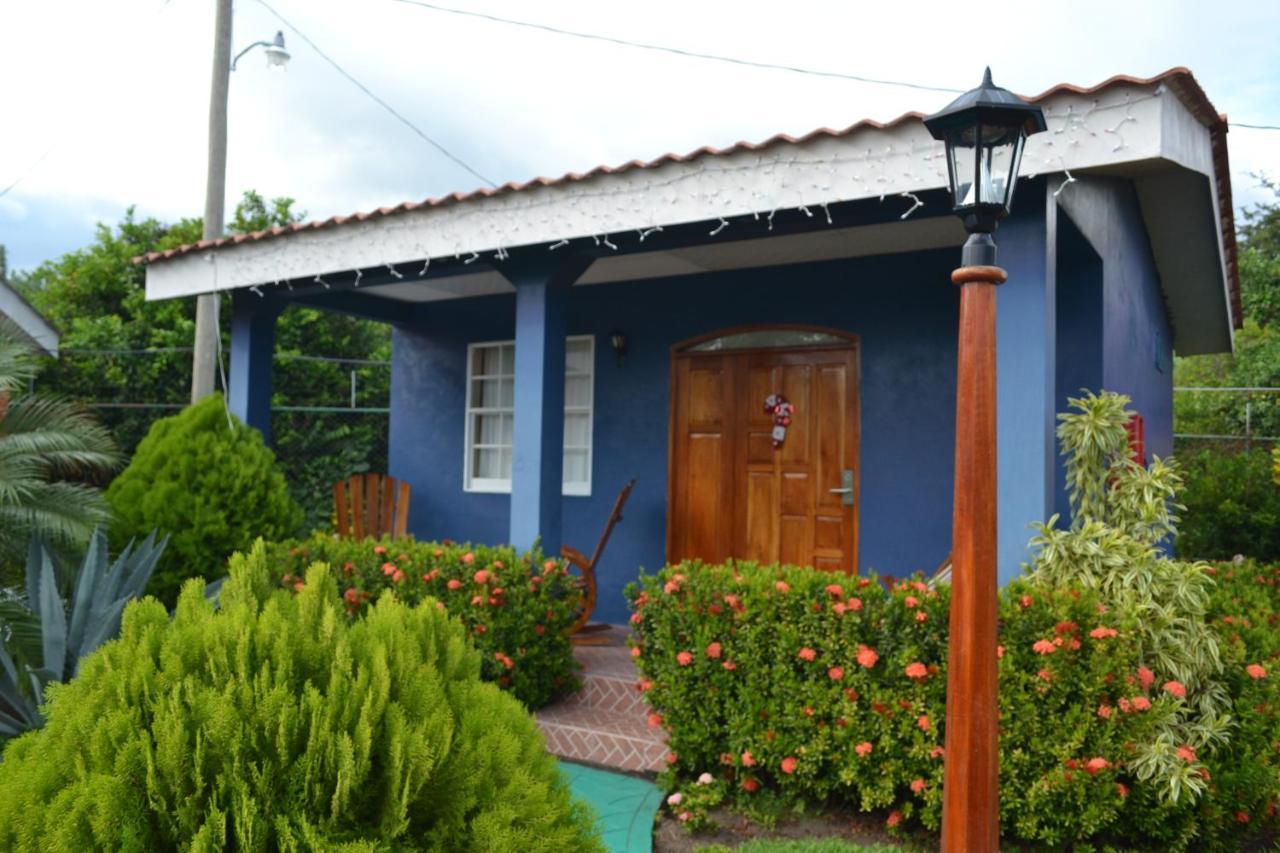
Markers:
point(276, 723)
point(210, 483)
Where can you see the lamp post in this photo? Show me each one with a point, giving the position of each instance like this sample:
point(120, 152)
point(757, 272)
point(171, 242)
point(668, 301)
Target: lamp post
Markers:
point(204, 358)
point(984, 131)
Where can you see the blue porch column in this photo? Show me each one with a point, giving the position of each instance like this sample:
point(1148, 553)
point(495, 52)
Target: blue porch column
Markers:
point(253, 339)
point(1025, 374)
point(537, 459)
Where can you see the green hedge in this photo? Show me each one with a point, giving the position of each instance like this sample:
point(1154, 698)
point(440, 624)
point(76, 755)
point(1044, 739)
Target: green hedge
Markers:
point(794, 685)
point(516, 607)
point(1232, 507)
point(272, 722)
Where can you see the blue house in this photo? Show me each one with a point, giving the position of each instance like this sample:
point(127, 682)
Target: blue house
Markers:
point(555, 339)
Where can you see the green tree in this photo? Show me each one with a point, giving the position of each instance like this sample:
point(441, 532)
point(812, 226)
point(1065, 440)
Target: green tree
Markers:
point(208, 482)
point(96, 296)
point(48, 445)
point(1256, 360)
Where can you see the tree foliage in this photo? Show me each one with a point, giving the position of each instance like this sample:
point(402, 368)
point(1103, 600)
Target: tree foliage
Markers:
point(1232, 506)
point(96, 296)
point(1256, 360)
point(274, 723)
point(207, 481)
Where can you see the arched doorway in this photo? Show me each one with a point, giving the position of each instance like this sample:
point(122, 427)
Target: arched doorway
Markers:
point(732, 492)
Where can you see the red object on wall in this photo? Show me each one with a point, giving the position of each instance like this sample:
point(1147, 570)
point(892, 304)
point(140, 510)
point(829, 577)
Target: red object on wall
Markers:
point(1137, 430)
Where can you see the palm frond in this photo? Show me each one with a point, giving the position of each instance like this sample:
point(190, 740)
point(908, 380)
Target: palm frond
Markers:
point(17, 358)
point(62, 513)
point(60, 434)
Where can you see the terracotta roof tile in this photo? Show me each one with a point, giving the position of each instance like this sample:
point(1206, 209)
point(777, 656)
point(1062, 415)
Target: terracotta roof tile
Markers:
point(1179, 79)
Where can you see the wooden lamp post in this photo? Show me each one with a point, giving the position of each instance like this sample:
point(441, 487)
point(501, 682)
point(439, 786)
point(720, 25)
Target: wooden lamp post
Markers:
point(984, 131)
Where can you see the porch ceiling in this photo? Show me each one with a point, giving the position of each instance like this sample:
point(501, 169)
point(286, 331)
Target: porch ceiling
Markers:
point(838, 243)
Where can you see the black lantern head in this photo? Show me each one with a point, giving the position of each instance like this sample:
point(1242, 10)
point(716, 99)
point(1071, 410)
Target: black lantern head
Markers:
point(984, 130)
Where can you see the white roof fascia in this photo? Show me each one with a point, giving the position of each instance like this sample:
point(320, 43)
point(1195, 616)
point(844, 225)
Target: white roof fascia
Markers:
point(1122, 124)
point(28, 320)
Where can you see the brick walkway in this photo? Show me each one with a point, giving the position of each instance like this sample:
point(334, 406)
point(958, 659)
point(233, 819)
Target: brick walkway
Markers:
point(605, 723)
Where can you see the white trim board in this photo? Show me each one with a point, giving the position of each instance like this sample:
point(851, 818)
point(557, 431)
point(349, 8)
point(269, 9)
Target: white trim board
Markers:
point(1126, 124)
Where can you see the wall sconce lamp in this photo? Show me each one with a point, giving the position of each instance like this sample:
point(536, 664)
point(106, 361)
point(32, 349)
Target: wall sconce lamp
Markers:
point(618, 341)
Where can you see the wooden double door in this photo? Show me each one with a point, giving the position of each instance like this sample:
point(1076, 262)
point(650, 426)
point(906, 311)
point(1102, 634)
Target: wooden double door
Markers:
point(732, 492)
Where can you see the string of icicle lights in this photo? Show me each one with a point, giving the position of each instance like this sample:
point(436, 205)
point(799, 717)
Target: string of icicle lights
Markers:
point(871, 169)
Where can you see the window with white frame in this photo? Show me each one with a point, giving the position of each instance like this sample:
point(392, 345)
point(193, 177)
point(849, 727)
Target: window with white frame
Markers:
point(491, 415)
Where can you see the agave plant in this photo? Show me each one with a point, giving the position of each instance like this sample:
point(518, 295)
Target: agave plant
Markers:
point(44, 638)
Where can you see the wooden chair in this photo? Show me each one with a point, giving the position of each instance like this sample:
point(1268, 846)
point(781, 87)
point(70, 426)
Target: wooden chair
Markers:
point(371, 505)
point(580, 630)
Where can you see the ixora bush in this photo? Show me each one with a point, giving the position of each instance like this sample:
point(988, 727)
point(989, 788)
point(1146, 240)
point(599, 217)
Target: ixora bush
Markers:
point(278, 724)
point(1122, 722)
point(517, 607)
point(209, 482)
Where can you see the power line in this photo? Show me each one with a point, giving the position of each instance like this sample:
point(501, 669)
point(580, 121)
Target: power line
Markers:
point(25, 174)
point(363, 88)
point(714, 57)
point(693, 54)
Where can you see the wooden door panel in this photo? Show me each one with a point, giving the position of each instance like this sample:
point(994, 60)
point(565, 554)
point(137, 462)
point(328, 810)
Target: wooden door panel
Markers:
point(705, 476)
point(829, 535)
point(795, 382)
point(759, 538)
point(701, 465)
point(795, 540)
point(732, 493)
point(830, 462)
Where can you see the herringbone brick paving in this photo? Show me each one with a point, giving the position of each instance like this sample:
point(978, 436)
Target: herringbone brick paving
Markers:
point(605, 723)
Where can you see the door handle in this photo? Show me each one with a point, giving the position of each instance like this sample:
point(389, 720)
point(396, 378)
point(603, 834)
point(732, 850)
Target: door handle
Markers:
point(846, 487)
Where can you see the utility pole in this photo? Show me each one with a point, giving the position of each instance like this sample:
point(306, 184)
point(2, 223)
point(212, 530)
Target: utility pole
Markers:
point(204, 361)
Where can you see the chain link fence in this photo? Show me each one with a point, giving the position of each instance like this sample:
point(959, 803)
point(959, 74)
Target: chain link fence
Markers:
point(1227, 420)
point(329, 416)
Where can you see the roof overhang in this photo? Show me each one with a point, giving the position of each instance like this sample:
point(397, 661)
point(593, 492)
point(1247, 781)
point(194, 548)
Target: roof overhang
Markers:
point(1161, 131)
point(28, 322)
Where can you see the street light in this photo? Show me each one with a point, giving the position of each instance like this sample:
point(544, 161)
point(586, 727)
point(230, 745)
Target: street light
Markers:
point(204, 358)
point(984, 131)
point(277, 56)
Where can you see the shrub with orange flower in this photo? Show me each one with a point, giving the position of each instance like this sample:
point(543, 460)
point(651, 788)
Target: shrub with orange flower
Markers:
point(888, 718)
point(516, 607)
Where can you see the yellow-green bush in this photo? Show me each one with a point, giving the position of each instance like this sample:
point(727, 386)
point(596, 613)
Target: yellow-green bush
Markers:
point(276, 723)
point(210, 483)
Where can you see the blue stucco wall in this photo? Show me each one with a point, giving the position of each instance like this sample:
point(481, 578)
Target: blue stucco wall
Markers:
point(1079, 323)
point(1137, 351)
point(903, 308)
point(1025, 365)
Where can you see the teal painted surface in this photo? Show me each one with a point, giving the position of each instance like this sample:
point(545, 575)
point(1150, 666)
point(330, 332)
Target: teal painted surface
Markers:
point(624, 806)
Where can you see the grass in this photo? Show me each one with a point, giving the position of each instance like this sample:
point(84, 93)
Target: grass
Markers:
point(822, 845)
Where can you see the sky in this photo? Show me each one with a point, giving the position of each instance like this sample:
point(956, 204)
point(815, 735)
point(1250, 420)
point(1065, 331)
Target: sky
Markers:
point(105, 104)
